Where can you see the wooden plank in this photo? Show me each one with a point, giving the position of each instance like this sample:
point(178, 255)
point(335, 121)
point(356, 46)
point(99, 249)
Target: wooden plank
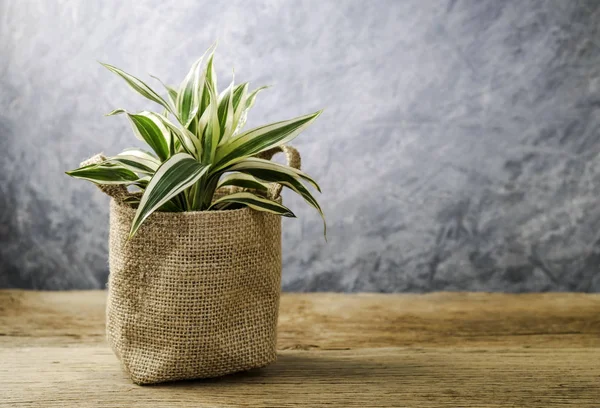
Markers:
point(386, 377)
point(435, 350)
point(341, 321)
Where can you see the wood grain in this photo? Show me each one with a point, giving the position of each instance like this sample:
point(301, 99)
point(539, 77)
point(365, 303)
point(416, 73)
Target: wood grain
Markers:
point(435, 350)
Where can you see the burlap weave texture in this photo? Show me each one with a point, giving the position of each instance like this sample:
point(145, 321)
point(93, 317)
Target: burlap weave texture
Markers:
point(193, 294)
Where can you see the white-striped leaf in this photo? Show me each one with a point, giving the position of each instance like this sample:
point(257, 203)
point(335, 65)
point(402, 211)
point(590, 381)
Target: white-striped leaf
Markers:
point(105, 173)
point(189, 94)
point(188, 141)
point(169, 206)
point(150, 129)
point(276, 173)
point(252, 96)
point(209, 126)
point(144, 154)
point(244, 108)
point(210, 80)
point(139, 86)
point(132, 201)
point(171, 92)
point(173, 147)
point(137, 161)
point(115, 112)
point(242, 180)
point(255, 202)
point(254, 163)
point(172, 177)
point(240, 93)
point(262, 138)
point(143, 182)
point(225, 112)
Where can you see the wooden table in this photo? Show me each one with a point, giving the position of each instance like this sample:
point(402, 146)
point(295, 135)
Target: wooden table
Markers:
point(336, 350)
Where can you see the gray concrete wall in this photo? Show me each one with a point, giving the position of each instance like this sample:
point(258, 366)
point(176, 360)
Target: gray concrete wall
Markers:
point(458, 150)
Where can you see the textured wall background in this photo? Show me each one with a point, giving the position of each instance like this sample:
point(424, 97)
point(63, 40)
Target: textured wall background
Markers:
point(459, 148)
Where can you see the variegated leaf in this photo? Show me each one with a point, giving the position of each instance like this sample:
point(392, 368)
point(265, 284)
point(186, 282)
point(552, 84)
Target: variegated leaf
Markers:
point(242, 180)
point(244, 108)
point(105, 173)
point(172, 177)
point(171, 92)
point(188, 141)
point(139, 86)
point(149, 128)
point(260, 139)
point(276, 173)
point(137, 161)
point(210, 80)
point(169, 206)
point(255, 202)
point(132, 201)
point(209, 126)
point(256, 164)
point(225, 112)
point(240, 93)
point(189, 94)
point(252, 96)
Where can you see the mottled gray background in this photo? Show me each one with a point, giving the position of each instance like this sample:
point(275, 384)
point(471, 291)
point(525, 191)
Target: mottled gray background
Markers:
point(458, 150)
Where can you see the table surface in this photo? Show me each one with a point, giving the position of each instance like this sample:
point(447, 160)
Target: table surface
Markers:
point(335, 350)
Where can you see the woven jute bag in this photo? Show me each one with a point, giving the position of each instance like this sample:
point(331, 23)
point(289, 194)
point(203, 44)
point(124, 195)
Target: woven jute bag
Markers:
point(193, 294)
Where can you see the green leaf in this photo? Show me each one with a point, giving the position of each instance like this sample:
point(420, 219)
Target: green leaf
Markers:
point(252, 96)
point(262, 138)
point(139, 86)
point(255, 202)
point(141, 153)
point(271, 172)
point(132, 201)
point(189, 95)
point(172, 92)
point(105, 173)
point(188, 141)
point(210, 128)
point(244, 108)
point(210, 80)
point(254, 163)
point(116, 112)
point(148, 127)
point(225, 112)
point(173, 176)
point(142, 182)
point(240, 95)
point(242, 180)
point(137, 161)
point(169, 206)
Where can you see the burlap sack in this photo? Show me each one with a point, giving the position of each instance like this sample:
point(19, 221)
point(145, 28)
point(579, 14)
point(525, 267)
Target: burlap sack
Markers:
point(193, 294)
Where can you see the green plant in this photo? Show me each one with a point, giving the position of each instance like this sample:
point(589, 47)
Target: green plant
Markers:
point(194, 151)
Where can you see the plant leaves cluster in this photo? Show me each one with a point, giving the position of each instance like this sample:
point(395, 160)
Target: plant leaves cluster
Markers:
point(198, 144)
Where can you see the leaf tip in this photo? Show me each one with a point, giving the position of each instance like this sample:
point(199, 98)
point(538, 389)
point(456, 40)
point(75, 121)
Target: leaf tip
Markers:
point(105, 65)
point(115, 112)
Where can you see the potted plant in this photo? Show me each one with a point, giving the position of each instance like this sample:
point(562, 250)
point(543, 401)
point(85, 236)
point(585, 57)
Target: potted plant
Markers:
point(195, 230)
